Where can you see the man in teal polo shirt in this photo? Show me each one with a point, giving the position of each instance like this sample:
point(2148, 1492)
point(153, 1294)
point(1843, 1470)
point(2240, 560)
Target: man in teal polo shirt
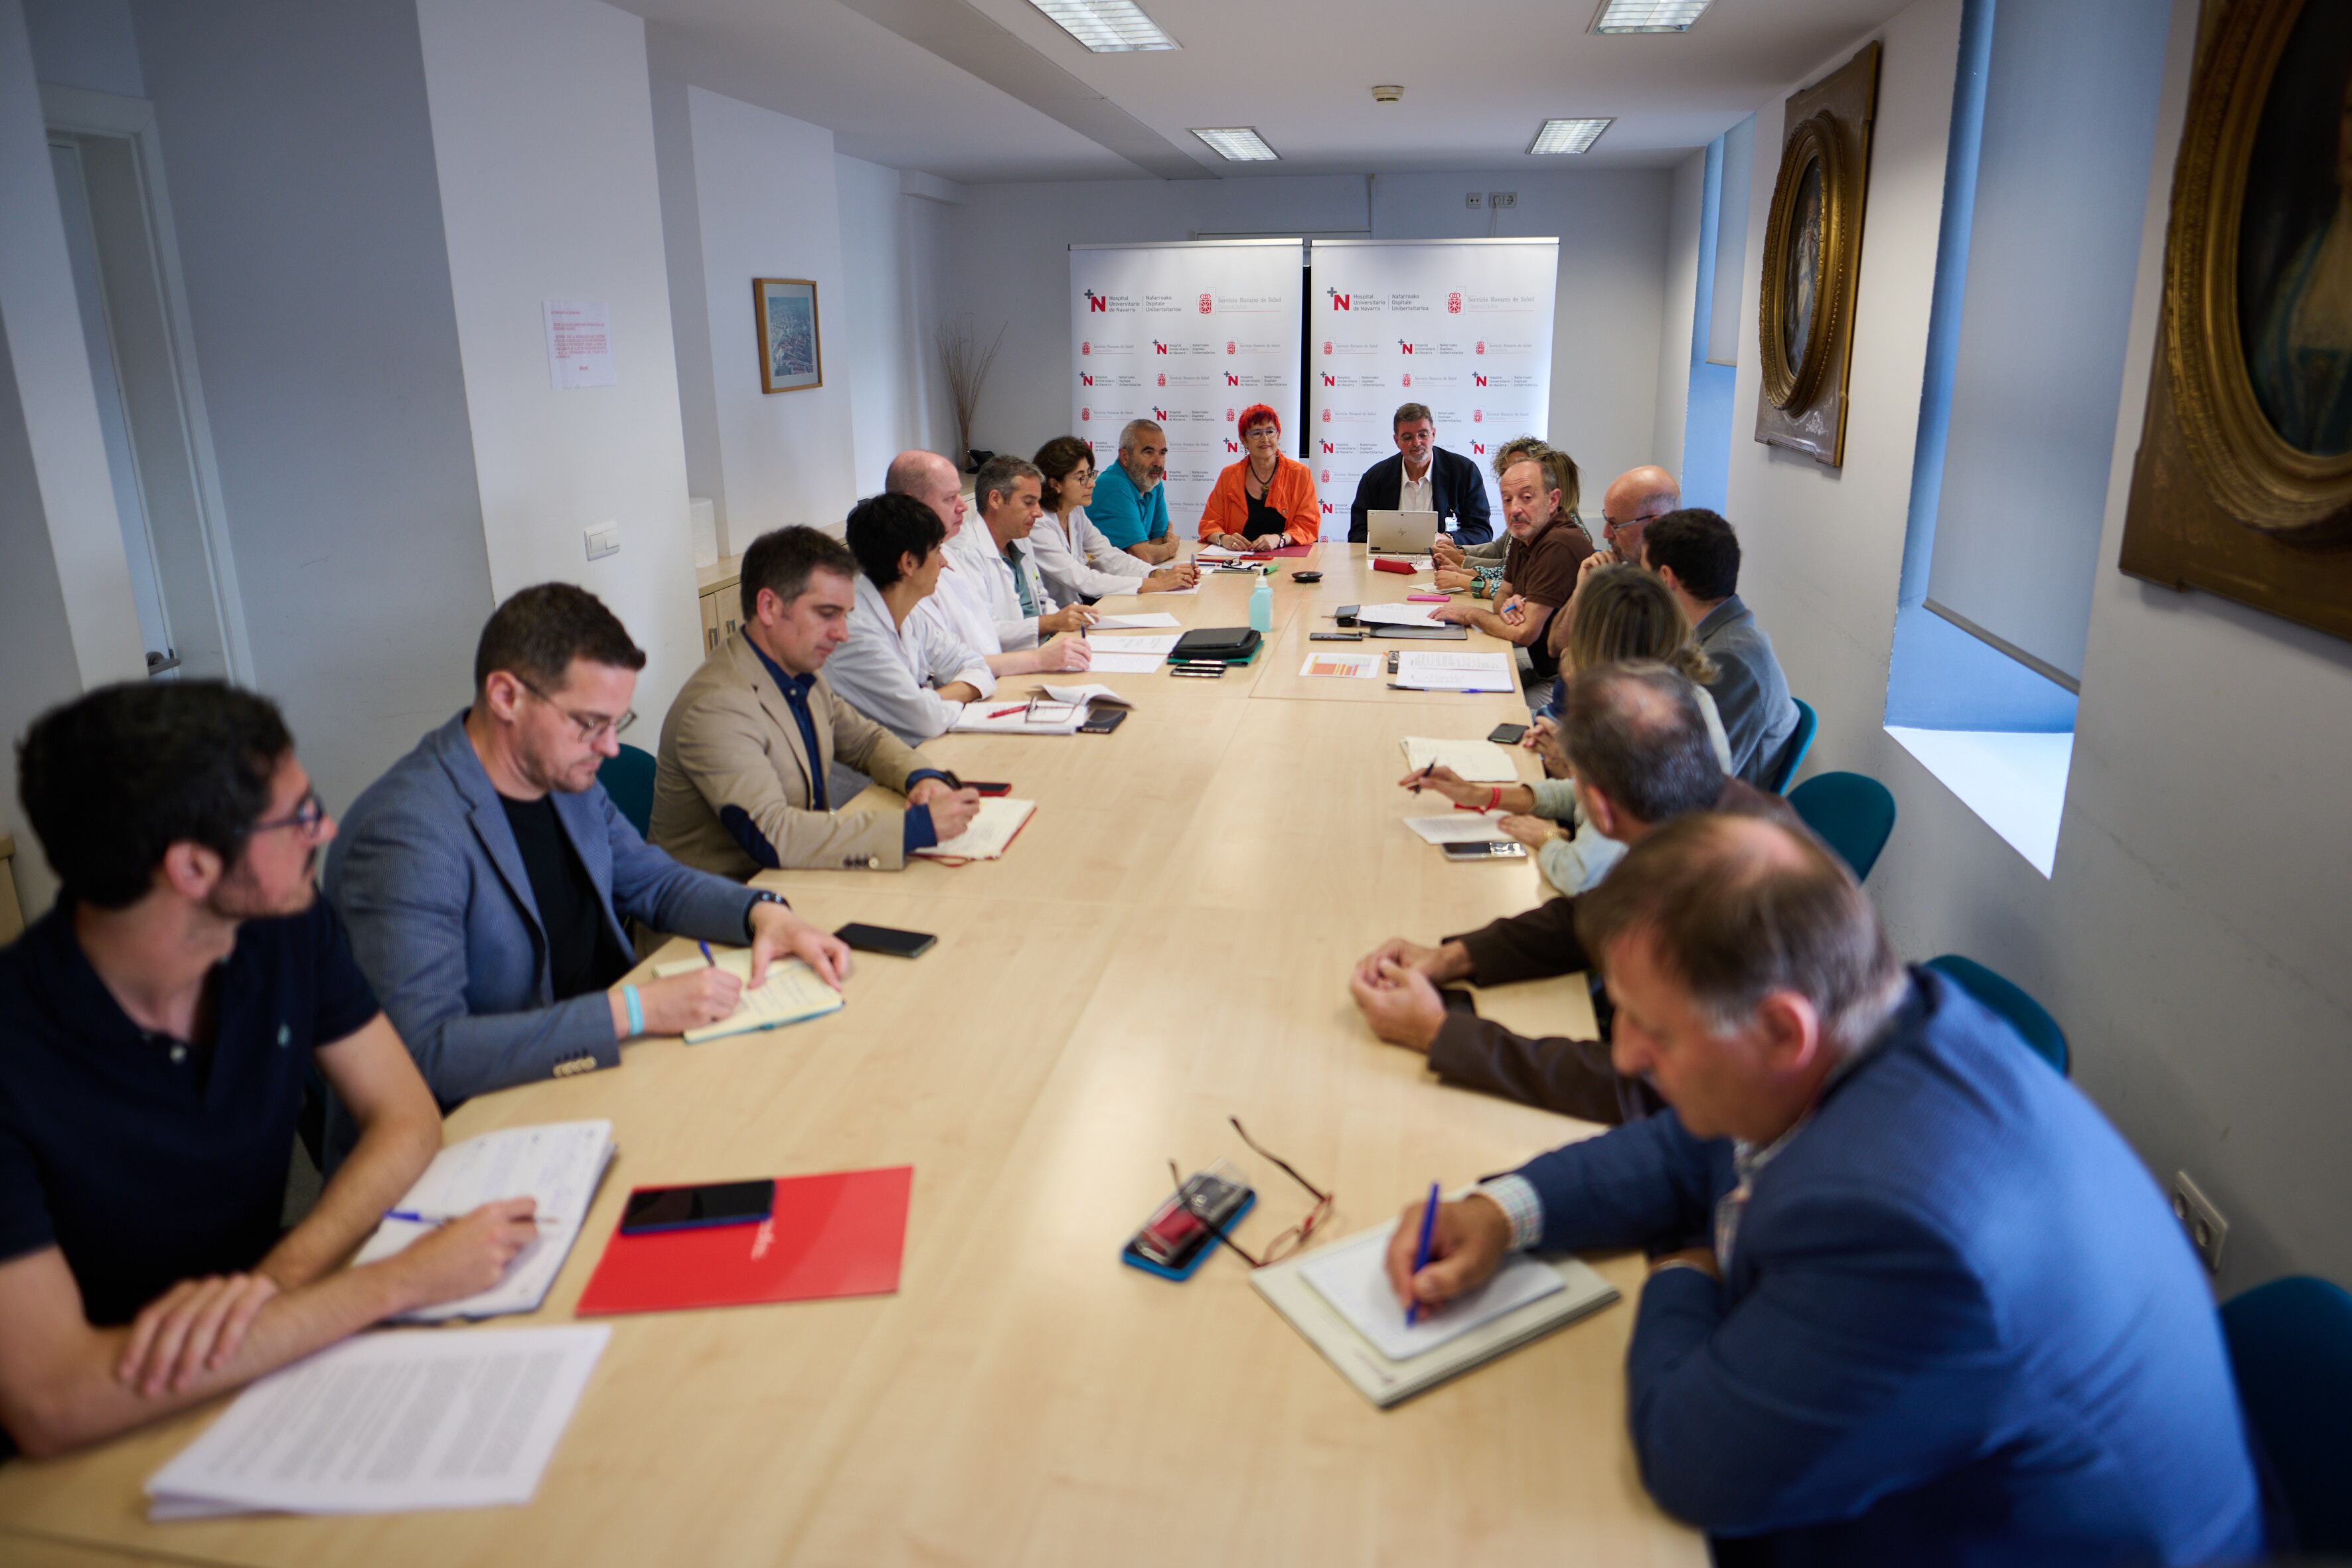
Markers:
point(1130, 502)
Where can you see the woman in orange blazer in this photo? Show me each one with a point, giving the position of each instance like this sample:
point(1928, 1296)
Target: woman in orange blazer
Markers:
point(1266, 500)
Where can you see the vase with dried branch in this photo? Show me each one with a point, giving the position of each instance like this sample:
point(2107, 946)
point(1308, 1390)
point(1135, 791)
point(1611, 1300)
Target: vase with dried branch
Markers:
point(965, 362)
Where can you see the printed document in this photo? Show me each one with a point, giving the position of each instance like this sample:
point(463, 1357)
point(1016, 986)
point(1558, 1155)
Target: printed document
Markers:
point(1462, 828)
point(389, 1423)
point(1473, 762)
point(1135, 623)
point(1427, 670)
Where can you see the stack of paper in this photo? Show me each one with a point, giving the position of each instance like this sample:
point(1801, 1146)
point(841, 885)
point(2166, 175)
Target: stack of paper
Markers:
point(389, 1424)
point(1462, 828)
point(999, 819)
point(1421, 671)
point(1399, 615)
point(792, 993)
point(1473, 762)
point(1134, 623)
point(1131, 655)
point(1339, 1298)
point(557, 1163)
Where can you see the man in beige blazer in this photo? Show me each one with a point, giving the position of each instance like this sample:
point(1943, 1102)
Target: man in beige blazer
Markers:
point(742, 783)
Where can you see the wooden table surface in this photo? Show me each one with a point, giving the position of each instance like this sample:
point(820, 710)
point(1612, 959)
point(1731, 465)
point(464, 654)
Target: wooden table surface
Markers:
point(1165, 945)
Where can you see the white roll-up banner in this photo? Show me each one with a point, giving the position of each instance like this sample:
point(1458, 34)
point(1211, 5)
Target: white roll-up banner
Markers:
point(1463, 326)
point(1188, 336)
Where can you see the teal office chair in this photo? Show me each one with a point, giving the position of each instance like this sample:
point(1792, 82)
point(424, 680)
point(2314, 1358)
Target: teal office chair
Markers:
point(2291, 1342)
point(628, 778)
point(1854, 813)
point(1799, 744)
point(2023, 1014)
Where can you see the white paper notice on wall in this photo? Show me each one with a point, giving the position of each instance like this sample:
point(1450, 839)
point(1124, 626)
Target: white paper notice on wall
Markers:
point(579, 343)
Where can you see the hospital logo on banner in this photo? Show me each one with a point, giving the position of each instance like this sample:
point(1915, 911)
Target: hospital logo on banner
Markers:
point(1163, 378)
point(1453, 303)
point(1085, 380)
point(1231, 445)
point(1479, 377)
point(1085, 414)
point(1098, 303)
point(1406, 379)
point(1481, 348)
point(1207, 304)
point(1339, 300)
point(1229, 345)
point(1089, 348)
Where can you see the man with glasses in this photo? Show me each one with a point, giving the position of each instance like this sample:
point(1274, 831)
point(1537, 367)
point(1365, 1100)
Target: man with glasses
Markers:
point(486, 877)
point(156, 1028)
point(1423, 476)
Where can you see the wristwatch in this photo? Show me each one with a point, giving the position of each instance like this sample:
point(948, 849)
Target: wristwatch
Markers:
point(760, 896)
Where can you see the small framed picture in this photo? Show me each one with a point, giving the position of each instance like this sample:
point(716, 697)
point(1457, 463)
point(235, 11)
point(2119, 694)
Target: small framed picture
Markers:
point(790, 358)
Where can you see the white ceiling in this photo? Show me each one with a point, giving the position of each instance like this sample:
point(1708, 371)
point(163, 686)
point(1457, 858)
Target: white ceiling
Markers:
point(1479, 76)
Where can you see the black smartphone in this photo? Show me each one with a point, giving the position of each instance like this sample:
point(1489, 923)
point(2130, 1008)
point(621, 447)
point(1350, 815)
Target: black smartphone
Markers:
point(988, 788)
point(1346, 613)
point(652, 1209)
point(1198, 671)
point(886, 940)
point(1501, 734)
point(1102, 720)
point(1510, 849)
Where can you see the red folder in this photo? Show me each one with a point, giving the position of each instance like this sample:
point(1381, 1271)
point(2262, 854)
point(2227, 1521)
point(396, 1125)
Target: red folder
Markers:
point(837, 1235)
point(1391, 563)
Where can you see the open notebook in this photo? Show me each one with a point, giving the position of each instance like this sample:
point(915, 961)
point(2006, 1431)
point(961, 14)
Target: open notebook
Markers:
point(993, 827)
point(1339, 1298)
point(1473, 762)
point(791, 993)
point(557, 1163)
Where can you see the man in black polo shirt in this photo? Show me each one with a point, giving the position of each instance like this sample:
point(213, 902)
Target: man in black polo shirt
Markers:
point(156, 1028)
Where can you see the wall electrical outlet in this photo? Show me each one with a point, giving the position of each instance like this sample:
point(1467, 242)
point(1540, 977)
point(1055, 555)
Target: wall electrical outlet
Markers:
point(1502, 198)
point(1474, 199)
point(2205, 1225)
point(603, 540)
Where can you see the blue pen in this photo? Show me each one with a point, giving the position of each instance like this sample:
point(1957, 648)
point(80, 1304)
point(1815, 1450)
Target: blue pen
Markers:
point(413, 1218)
point(705, 954)
point(1421, 1253)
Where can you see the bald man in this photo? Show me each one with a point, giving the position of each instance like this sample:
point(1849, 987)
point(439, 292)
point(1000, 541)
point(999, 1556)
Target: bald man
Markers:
point(1635, 499)
point(960, 603)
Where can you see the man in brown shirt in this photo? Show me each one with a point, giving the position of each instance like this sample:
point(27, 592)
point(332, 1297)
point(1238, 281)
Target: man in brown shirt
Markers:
point(1640, 752)
point(1547, 545)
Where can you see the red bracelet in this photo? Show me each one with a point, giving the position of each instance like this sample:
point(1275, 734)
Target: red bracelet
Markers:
point(1495, 801)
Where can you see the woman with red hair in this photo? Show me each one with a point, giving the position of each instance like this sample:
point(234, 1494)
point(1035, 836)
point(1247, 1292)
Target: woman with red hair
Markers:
point(1266, 500)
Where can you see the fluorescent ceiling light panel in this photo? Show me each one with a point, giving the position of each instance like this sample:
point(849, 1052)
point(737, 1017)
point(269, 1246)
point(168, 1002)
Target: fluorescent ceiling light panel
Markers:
point(1647, 16)
point(1237, 144)
point(1107, 26)
point(1568, 135)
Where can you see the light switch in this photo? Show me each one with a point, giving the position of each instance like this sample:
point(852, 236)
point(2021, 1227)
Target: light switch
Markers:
point(603, 540)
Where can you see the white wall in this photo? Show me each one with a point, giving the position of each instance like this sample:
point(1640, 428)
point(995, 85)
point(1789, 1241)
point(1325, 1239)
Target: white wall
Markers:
point(1011, 264)
point(543, 129)
point(1685, 201)
point(894, 256)
point(300, 152)
point(2191, 940)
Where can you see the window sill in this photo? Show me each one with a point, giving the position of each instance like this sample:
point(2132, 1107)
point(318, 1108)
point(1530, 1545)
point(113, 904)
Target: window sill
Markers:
point(2015, 781)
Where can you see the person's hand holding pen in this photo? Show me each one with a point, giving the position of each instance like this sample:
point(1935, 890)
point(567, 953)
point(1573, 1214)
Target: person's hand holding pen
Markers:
point(1470, 796)
point(1467, 1242)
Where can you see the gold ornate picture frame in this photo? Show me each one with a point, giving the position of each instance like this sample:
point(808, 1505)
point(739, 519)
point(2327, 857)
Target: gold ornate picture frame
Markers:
point(2242, 484)
point(1812, 261)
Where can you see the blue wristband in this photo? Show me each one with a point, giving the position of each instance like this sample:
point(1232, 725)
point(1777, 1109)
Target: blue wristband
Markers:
point(637, 1010)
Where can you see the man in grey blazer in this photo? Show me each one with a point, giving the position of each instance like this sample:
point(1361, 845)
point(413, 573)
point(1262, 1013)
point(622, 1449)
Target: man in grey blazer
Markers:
point(742, 784)
point(1697, 554)
point(486, 877)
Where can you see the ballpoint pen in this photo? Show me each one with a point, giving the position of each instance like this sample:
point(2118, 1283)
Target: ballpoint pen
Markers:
point(707, 958)
point(413, 1218)
point(1421, 1253)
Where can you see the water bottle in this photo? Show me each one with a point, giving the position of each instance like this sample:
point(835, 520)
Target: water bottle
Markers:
point(1261, 610)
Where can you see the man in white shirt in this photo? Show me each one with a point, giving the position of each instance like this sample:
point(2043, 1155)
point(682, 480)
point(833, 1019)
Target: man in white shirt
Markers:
point(903, 670)
point(1000, 556)
point(961, 606)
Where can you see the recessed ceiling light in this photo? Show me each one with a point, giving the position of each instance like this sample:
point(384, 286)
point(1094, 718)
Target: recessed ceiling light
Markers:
point(1647, 16)
point(1568, 135)
point(1237, 144)
point(1107, 26)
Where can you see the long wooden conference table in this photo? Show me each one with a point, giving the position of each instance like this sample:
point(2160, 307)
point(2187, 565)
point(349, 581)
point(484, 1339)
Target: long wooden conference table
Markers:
point(1165, 945)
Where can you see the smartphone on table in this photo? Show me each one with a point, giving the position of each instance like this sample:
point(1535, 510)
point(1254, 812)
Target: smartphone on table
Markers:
point(1174, 1240)
point(1509, 849)
point(654, 1209)
point(886, 940)
point(1508, 734)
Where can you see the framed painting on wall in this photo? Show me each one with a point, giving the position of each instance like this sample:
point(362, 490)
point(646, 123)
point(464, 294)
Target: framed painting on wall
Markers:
point(2242, 484)
point(789, 355)
point(1812, 262)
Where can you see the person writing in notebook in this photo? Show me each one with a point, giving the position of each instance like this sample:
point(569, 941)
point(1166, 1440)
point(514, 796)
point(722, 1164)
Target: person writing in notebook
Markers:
point(1266, 500)
point(1855, 1345)
point(742, 781)
point(486, 876)
point(156, 1027)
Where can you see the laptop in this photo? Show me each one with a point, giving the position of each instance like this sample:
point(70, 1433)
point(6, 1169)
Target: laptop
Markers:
point(1400, 532)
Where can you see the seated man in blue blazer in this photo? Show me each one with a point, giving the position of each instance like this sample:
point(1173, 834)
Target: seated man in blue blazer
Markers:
point(1423, 476)
point(1913, 1300)
point(486, 877)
